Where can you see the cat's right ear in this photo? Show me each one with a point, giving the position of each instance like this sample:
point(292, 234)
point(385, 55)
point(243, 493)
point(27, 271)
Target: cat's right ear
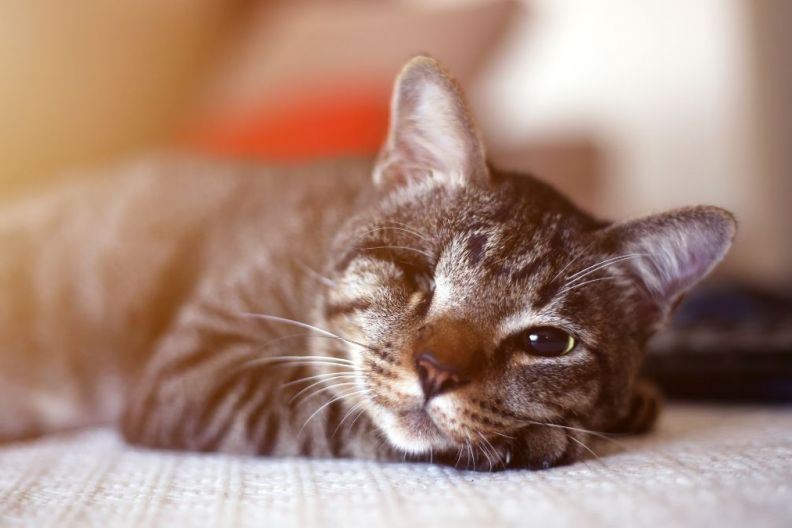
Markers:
point(432, 135)
point(669, 253)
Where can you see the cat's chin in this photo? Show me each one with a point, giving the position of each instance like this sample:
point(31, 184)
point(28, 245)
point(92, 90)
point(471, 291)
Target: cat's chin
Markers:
point(413, 432)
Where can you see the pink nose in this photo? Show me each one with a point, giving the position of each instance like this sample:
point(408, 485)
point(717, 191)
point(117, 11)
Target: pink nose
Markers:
point(436, 378)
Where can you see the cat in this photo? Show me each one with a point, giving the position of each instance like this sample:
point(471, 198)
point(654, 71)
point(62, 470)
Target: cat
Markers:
point(421, 306)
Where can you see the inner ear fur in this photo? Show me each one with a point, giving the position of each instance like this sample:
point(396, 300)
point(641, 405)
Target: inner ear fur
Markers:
point(432, 135)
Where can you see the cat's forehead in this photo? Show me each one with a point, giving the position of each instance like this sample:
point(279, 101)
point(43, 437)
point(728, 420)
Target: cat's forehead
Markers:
point(504, 253)
point(453, 210)
point(504, 240)
point(491, 271)
point(510, 221)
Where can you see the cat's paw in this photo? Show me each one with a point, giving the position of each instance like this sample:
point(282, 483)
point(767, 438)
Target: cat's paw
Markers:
point(547, 446)
point(644, 408)
point(535, 447)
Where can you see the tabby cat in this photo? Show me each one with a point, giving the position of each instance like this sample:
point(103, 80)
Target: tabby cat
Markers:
point(422, 306)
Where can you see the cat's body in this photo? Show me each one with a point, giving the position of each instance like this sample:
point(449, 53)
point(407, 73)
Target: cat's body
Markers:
point(95, 275)
point(446, 311)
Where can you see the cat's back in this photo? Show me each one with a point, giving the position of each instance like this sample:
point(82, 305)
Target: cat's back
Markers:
point(174, 191)
point(105, 245)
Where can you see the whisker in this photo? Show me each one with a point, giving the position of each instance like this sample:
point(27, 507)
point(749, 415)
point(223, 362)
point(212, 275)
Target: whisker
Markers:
point(568, 427)
point(361, 392)
point(459, 456)
point(357, 417)
point(609, 437)
point(480, 446)
point(325, 376)
point(584, 446)
point(355, 407)
point(598, 434)
point(584, 283)
point(394, 228)
point(485, 449)
point(270, 343)
point(297, 361)
point(495, 453)
point(315, 274)
point(310, 364)
point(473, 453)
point(284, 320)
point(313, 357)
point(470, 451)
point(600, 265)
point(276, 340)
point(291, 361)
point(407, 226)
point(320, 390)
point(574, 259)
point(603, 262)
point(306, 335)
point(406, 248)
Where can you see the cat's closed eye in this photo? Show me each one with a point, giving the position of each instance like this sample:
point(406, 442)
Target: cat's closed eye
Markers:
point(419, 279)
point(546, 341)
point(422, 285)
point(413, 264)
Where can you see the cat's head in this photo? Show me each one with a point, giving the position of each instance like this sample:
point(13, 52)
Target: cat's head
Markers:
point(485, 304)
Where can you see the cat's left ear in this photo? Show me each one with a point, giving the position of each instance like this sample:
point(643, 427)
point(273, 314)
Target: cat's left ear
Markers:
point(670, 252)
point(431, 135)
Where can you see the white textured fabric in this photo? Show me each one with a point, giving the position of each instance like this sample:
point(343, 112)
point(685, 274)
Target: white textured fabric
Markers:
point(705, 466)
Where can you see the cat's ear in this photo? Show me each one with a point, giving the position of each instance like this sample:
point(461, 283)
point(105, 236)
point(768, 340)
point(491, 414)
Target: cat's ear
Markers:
point(670, 252)
point(431, 134)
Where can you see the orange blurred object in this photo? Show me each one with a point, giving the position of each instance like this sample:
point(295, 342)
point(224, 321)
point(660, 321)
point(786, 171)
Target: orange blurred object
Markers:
point(302, 124)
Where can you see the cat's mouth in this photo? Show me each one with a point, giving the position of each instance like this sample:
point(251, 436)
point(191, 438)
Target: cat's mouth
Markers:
point(419, 423)
point(414, 431)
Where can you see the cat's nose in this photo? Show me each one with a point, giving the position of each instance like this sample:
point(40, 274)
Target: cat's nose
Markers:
point(436, 377)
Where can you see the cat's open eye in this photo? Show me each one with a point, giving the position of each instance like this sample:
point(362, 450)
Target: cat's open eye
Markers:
point(547, 341)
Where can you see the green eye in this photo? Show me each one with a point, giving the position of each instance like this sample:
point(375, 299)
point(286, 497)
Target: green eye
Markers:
point(547, 341)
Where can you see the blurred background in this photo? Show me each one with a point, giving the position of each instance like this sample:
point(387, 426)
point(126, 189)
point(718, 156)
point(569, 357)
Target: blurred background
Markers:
point(631, 107)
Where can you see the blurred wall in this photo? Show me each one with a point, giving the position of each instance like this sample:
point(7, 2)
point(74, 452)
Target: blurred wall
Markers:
point(82, 80)
point(689, 100)
point(772, 42)
point(669, 87)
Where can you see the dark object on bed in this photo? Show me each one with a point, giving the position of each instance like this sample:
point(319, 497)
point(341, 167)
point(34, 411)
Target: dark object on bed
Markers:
point(727, 343)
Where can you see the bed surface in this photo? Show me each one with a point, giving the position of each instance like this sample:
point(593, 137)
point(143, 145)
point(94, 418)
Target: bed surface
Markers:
point(704, 466)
